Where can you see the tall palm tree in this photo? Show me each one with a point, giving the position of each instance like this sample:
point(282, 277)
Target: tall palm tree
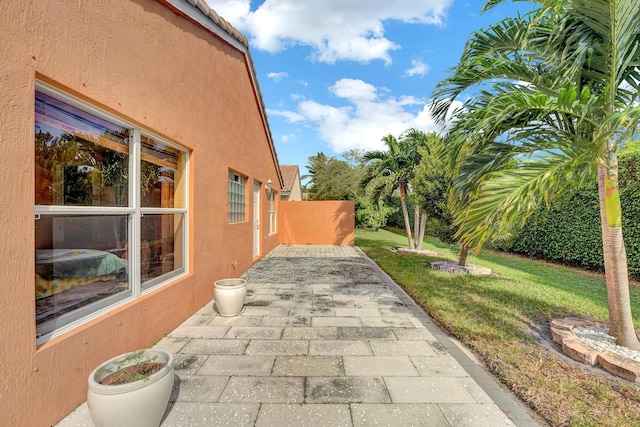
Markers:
point(558, 96)
point(389, 170)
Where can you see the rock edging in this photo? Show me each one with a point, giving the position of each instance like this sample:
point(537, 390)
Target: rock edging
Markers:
point(453, 267)
point(562, 333)
point(424, 252)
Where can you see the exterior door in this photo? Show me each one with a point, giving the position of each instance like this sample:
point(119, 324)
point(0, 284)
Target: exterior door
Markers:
point(256, 219)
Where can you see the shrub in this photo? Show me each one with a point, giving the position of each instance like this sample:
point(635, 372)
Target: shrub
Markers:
point(570, 233)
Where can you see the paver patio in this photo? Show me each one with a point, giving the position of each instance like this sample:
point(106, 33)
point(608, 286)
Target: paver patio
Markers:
point(325, 338)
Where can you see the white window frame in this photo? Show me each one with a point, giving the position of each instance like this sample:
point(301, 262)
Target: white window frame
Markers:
point(237, 198)
point(134, 212)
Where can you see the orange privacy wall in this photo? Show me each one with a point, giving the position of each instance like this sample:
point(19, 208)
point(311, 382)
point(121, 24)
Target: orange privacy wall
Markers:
point(317, 223)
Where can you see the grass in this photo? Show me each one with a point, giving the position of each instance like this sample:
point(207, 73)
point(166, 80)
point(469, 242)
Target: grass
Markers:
point(505, 320)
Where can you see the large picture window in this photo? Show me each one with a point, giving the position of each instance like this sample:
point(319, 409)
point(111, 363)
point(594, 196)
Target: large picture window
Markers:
point(110, 211)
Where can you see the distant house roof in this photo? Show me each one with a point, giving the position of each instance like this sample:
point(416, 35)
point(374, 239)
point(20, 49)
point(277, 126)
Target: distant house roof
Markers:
point(202, 15)
point(289, 173)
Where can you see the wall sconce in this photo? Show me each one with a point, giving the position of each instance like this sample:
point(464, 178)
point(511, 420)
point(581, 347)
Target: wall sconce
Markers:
point(268, 186)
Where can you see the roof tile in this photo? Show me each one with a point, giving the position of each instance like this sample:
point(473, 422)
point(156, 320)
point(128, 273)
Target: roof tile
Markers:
point(289, 173)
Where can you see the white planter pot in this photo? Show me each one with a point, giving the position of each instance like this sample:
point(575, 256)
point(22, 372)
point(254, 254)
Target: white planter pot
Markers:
point(140, 403)
point(229, 296)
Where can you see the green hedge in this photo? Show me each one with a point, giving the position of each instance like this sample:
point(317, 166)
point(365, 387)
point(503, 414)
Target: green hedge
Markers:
point(570, 232)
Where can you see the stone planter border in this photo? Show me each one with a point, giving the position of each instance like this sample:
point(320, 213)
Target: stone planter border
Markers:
point(562, 333)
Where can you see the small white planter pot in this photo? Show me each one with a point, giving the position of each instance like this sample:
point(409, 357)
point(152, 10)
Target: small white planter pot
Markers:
point(229, 296)
point(140, 403)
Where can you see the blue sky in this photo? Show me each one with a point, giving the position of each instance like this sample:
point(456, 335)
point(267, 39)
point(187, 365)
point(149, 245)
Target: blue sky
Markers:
point(341, 74)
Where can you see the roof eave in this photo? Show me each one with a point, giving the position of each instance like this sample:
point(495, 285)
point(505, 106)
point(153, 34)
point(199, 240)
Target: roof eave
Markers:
point(198, 12)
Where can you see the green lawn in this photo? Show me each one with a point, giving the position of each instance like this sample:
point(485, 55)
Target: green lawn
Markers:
point(505, 320)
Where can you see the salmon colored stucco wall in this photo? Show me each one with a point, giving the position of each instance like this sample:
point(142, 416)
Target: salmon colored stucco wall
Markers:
point(317, 223)
point(142, 62)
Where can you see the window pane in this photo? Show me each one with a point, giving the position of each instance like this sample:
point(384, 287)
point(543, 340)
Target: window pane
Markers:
point(81, 159)
point(160, 175)
point(161, 247)
point(78, 263)
point(273, 215)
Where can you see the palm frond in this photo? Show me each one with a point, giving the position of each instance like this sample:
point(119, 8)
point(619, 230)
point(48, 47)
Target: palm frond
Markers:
point(508, 196)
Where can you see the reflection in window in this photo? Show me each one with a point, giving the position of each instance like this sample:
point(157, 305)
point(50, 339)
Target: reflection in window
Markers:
point(161, 168)
point(161, 246)
point(81, 160)
point(78, 265)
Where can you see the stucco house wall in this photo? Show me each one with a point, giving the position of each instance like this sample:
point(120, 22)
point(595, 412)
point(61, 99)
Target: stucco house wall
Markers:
point(147, 63)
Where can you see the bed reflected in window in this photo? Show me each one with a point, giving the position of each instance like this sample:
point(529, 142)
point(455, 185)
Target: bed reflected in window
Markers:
point(79, 265)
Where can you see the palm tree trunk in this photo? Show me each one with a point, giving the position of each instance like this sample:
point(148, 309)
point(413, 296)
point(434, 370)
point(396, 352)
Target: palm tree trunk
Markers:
point(423, 225)
point(405, 214)
point(608, 268)
point(416, 228)
point(462, 261)
point(617, 278)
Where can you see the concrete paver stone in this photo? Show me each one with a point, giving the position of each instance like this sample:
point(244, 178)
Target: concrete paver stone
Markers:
point(264, 390)
point(398, 415)
point(399, 366)
point(277, 347)
point(215, 346)
point(310, 333)
point(306, 366)
point(479, 415)
point(427, 390)
point(237, 365)
point(199, 388)
point(347, 390)
point(340, 348)
point(304, 415)
point(191, 414)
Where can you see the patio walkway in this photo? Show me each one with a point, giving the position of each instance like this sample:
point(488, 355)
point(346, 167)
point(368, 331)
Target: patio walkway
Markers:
point(327, 339)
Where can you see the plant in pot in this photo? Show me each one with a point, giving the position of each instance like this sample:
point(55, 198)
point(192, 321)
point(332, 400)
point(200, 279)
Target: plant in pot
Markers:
point(132, 389)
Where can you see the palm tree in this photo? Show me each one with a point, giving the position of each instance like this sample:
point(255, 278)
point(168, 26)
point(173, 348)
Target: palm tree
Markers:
point(558, 96)
point(389, 170)
point(433, 180)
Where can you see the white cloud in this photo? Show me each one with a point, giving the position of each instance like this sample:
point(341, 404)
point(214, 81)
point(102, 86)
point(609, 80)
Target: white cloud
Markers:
point(366, 119)
point(287, 137)
point(276, 77)
point(291, 116)
point(418, 68)
point(354, 90)
point(231, 10)
point(335, 29)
